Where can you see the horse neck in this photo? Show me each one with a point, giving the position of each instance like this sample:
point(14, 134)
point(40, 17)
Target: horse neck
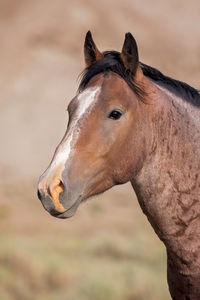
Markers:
point(168, 185)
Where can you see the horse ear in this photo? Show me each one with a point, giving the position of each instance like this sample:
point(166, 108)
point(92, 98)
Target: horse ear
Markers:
point(129, 54)
point(91, 52)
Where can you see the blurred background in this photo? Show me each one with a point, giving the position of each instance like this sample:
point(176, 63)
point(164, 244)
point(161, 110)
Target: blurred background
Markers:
point(108, 249)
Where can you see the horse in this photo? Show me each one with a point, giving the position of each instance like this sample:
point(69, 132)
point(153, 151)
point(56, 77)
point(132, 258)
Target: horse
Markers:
point(130, 122)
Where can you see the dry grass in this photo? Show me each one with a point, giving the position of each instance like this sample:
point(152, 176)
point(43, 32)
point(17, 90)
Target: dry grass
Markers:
point(80, 269)
point(108, 251)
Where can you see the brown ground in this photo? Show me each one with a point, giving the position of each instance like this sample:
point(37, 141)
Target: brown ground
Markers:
point(41, 58)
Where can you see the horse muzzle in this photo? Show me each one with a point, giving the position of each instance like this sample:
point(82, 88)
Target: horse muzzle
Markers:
point(55, 198)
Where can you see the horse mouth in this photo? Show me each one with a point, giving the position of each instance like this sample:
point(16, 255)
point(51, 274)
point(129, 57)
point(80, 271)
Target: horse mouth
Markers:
point(68, 213)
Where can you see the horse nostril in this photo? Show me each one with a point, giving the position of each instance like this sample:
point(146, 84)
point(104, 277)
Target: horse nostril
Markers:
point(39, 194)
point(61, 185)
point(55, 190)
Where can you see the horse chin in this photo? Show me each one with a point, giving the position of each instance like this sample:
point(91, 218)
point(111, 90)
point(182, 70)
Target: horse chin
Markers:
point(69, 212)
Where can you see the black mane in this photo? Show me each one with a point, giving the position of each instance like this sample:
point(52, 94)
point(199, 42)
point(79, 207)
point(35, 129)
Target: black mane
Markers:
point(177, 87)
point(112, 62)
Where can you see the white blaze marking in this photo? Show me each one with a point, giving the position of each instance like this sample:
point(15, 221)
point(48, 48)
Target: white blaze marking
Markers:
point(86, 101)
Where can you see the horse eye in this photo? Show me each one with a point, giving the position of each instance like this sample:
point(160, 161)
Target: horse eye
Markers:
point(114, 114)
